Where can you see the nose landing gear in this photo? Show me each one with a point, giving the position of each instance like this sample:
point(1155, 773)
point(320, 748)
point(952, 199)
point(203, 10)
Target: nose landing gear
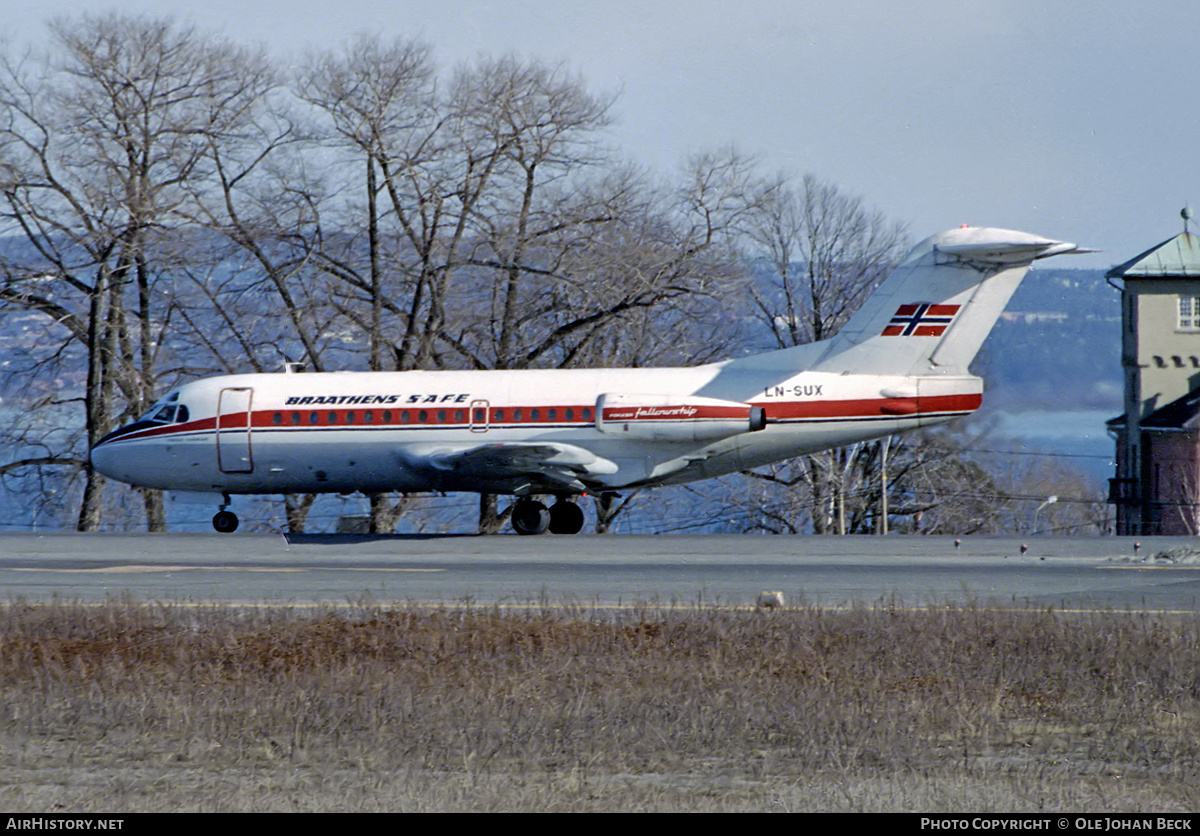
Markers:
point(225, 522)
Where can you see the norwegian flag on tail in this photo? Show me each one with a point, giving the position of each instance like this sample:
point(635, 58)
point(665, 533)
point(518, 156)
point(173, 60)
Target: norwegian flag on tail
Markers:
point(920, 320)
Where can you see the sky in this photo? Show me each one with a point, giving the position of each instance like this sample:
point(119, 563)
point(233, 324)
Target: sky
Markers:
point(1074, 121)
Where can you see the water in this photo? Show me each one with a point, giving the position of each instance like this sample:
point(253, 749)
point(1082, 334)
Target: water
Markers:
point(1078, 436)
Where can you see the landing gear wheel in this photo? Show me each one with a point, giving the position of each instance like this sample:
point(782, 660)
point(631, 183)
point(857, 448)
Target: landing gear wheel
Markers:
point(565, 518)
point(530, 517)
point(225, 522)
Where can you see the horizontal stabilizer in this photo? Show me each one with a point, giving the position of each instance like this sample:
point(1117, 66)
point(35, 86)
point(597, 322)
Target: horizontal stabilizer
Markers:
point(999, 246)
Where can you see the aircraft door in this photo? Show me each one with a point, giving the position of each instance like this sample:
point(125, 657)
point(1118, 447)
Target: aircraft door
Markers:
point(233, 430)
point(480, 416)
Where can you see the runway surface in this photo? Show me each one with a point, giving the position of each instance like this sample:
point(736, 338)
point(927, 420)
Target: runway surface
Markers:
point(829, 571)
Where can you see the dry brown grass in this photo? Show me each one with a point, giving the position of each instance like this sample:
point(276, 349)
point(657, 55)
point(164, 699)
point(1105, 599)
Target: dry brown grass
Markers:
point(130, 707)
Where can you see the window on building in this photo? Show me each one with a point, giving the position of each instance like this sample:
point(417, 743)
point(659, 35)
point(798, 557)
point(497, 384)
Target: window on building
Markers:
point(1189, 313)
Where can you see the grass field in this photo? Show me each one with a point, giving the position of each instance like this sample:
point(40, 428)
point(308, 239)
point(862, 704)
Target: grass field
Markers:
point(131, 707)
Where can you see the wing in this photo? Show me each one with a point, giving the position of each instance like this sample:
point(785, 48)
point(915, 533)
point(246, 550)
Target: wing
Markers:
point(515, 467)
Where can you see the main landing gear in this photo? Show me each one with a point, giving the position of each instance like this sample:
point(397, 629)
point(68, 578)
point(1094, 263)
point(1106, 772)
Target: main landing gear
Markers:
point(225, 522)
point(532, 517)
point(528, 517)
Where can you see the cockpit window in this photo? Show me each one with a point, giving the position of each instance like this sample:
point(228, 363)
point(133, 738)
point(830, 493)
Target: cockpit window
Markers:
point(167, 412)
point(166, 415)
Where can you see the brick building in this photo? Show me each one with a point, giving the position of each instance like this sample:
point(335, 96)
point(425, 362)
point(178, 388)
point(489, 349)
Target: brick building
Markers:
point(1157, 484)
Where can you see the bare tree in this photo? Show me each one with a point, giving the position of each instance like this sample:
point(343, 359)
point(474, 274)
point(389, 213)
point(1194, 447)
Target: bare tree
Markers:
point(100, 144)
point(379, 108)
point(540, 127)
point(934, 487)
point(497, 233)
point(826, 251)
point(158, 182)
point(1045, 495)
point(823, 253)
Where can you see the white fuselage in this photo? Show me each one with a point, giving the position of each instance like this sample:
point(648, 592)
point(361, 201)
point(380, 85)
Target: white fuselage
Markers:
point(901, 361)
point(594, 430)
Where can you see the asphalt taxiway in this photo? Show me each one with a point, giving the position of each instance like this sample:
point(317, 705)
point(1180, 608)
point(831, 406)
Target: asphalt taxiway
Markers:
point(1069, 573)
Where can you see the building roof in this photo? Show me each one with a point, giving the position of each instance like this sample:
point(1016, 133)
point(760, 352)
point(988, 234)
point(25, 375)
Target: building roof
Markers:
point(1180, 414)
point(1177, 257)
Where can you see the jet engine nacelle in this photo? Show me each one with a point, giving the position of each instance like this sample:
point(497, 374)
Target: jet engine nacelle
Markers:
point(675, 418)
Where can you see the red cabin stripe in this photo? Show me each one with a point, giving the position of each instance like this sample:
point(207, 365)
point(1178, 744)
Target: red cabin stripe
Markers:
point(826, 410)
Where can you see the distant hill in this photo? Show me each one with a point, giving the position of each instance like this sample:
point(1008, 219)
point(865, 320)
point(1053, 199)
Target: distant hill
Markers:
point(1058, 345)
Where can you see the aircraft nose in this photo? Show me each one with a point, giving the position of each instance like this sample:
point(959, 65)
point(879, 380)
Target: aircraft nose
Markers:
point(111, 458)
point(104, 459)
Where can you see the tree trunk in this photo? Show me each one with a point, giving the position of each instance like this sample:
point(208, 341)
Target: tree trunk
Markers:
point(491, 521)
point(296, 508)
point(156, 510)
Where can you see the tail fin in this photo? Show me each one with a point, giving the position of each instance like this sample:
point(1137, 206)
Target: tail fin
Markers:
point(933, 312)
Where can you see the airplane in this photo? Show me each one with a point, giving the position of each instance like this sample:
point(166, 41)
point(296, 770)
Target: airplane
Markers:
point(899, 363)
